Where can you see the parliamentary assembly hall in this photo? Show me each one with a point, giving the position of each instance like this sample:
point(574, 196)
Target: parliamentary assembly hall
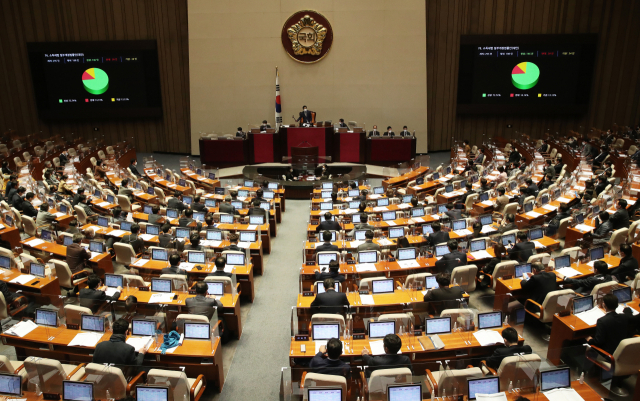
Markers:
point(319, 200)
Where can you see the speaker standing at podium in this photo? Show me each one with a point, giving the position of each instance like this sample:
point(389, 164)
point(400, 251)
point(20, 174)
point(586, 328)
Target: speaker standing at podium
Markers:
point(305, 116)
point(374, 132)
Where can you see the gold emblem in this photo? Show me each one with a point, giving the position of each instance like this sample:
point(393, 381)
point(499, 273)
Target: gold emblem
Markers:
point(307, 36)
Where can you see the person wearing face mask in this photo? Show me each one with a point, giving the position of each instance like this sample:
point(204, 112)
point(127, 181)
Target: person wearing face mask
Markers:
point(305, 116)
point(405, 132)
point(374, 132)
point(389, 132)
point(264, 125)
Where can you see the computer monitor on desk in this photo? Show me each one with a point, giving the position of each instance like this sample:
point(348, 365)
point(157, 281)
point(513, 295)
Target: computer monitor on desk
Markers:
point(489, 320)
point(197, 331)
point(368, 257)
point(92, 323)
point(160, 285)
point(325, 331)
point(381, 329)
point(143, 328)
point(152, 393)
point(77, 391)
point(384, 286)
point(159, 254)
point(10, 384)
point(215, 288)
point(442, 250)
point(404, 392)
point(556, 378)
point(324, 394)
point(582, 304)
point(46, 317)
point(407, 253)
point(438, 325)
point(490, 385)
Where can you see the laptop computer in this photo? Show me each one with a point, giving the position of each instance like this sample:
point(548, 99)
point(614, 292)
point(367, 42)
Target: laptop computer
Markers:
point(160, 285)
point(197, 331)
point(159, 254)
point(384, 286)
point(381, 329)
point(368, 257)
point(215, 288)
point(143, 328)
point(46, 317)
point(489, 385)
point(153, 230)
point(235, 259)
point(195, 257)
point(37, 269)
point(325, 331)
point(582, 304)
point(77, 391)
point(10, 384)
point(555, 378)
point(489, 320)
point(438, 325)
point(92, 323)
point(407, 253)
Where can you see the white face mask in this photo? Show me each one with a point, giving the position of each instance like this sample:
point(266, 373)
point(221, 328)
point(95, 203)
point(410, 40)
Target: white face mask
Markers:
point(304, 109)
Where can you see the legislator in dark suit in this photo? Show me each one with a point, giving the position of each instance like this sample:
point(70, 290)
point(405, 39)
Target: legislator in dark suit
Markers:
point(28, 209)
point(368, 245)
point(227, 208)
point(374, 132)
point(116, 351)
point(173, 270)
point(305, 116)
point(199, 207)
point(327, 247)
point(444, 294)
point(499, 354)
point(136, 242)
point(521, 251)
point(627, 267)
point(264, 127)
point(539, 285)
point(201, 305)
point(175, 203)
point(390, 134)
point(620, 219)
point(128, 192)
point(76, 257)
point(438, 238)
point(330, 301)
point(325, 275)
point(385, 361)
point(93, 299)
point(326, 366)
point(450, 261)
point(454, 214)
point(514, 157)
point(610, 330)
point(165, 239)
point(328, 226)
point(155, 219)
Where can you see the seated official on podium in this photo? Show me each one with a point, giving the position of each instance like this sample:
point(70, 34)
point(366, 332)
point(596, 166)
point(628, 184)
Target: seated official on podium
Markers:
point(342, 124)
point(405, 132)
point(389, 132)
point(305, 116)
point(240, 134)
point(374, 132)
point(264, 126)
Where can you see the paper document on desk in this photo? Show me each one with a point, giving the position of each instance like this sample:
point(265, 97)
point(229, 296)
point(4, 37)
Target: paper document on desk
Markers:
point(117, 233)
point(391, 223)
point(533, 214)
point(161, 298)
point(140, 262)
point(463, 232)
point(384, 242)
point(103, 204)
point(374, 196)
point(562, 394)
point(352, 244)
point(406, 264)
point(621, 307)
point(591, 316)
point(492, 397)
point(418, 219)
point(366, 267)
point(631, 201)
point(210, 243)
point(35, 242)
point(320, 343)
point(367, 300)
point(568, 272)
point(487, 229)
point(171, 350)
point(584, 227)
point(21, 329)
point(350, 211)
point(562, 199)
point(488, 337)
point(404, 206)
point(86, 340)
point(590, 264)
point(23, 279)
point(481, 255)
point(435, 217)
point(140, 343)
point(244, 245)
point(550, 207)
point(252, 227)
point(58, 214)
point(2, 227)
point(486, 203)
point(146, 237)
point(94, 254)
point(380, 208)
point(538, 244)
point(230, 268)
point(186, 266)
point(110, 291)
point(417, 187)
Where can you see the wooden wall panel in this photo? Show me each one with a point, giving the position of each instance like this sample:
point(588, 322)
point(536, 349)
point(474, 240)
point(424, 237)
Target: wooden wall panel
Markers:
point(23, 21)
point(615, 94)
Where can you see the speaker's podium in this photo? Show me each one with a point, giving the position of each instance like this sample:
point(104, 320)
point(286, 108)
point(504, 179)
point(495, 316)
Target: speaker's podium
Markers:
point(304, 137)
point(305, 158)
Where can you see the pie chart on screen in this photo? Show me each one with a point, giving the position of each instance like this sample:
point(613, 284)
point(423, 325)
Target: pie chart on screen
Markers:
point(95, 81)
point(525, 75)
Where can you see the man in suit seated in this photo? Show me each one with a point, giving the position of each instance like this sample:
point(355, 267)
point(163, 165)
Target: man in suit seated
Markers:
point(91, 297)
point(132, 239)
point(405, 132)
point(194, 243)
point(333, 273)
point(327, 245)
point(389, 132)
point(602, 185)
point(76, 197)
point(328, 224)
point(165, 238)
point(327, 360)
point(514, 157)
point(45, 218)
point(548, 168)
point(176, 202)
point(444, 292)
point(187, 220)
point(203, 303)
point(628, 264)
point(329, 301)
point(132, 167)
point(374, 131)
point(554, 224)
point(77, 255)
point(469, 188)
point(545, 147)
point(480, 157)
point(604, 226)
point(233, 243)
point(174, 266)
point(537, 285)
point(451, 260)
point(155, 218)
point(116, 351)
point(547, 182)
point(305, 116)
point(511, 348)
point(508, 223)
point(368, 244)
point(27, 207)
point(390, 360)
point(196, 206)
point(523, 248)
point(438, 236)
point(453, 213)
point(557, 166)
point(264, 126)
point(219, 263)
point(227, 207)
point(240, 134)
point(531, 189)
point(124, 190)
point(620, 219)
point(363, 225)
point(585, 285)
point(85, 205)
point(604, 151)
point(501, 201)
point(342, 124)
point(256, 210)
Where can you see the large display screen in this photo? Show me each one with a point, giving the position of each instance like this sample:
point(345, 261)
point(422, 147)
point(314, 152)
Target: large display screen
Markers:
point(525, 74)
point(73, 80)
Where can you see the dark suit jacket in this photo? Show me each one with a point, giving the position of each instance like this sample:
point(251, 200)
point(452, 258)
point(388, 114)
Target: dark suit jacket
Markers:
point(326, 366)
point(227, 208)
point(602, 230)
point(557, 168)
point(601, 187)
point(328, 226)
point(201, 305)
point(164, 239)
point(116, 351)
point(305, 116)
point(587, 284)
point(522, 251)
point(438, 238)
point(134, 170)
point(610, 330)
point(8, 295)
point(389, 134)
point(451, 261)
point(327, 246)
point(499, 354)
point(240, 134)
point(627, 267)
point(154, 218)
point(514, 157)
point(92, 298)
point(444, 294)
point(264, 127)
point(233, 247)
point(136, 242)
point(508, 227)
point(28, 209)
point(402, 133)
point(185, 221)
point(539, 285)
point(175, 203)
point(454, 214)
point(173, 270)
point(385, 362)
point(76, 257)
point(620, 219)
point(374, 133)
point(199, 207)
point(330, 302)
point(219, 273)
point(325, 275)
